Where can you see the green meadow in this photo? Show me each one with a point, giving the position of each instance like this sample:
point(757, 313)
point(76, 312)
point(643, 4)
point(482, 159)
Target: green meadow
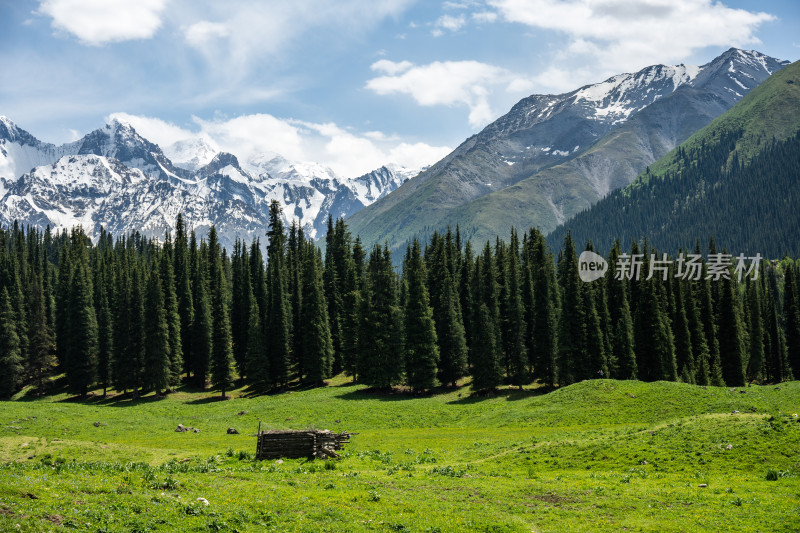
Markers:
point(600, 455)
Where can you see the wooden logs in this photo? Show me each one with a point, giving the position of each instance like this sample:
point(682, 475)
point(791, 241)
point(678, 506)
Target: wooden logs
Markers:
point(294, 444)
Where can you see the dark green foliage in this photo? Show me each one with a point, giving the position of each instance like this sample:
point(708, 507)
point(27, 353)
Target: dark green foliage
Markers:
point(109, 311)
point(544, 331)
point(623, 362)
point(202, 323)
point(380, 336)
point(791, 316)
point(11, 369)
point(514, 326)
point(221, 341)
point(171, 312)
point(572, 322)
point(755, 361)
point(278, 311)
point(709, 191)
point(81, 344)
point(731, 349)
point(421, 350)
point(313, 327)
point(446, 306)
point(486, 352)
point(156, 375)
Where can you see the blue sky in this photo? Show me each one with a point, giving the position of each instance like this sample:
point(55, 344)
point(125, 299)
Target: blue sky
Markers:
point(348, 83)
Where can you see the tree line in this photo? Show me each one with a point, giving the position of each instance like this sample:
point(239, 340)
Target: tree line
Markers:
point(136, 315)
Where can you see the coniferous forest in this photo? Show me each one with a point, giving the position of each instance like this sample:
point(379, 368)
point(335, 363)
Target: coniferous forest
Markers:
point(137, 315)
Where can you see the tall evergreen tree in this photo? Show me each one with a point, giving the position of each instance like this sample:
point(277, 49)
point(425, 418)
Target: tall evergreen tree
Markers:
point(317, 346)
point(156, 374)
point(544, 333)
point(221, 339)
point(421, 349)
point(11, 362)
point(515, 328)
point(202, 324)
point(791, 316)
point(278, 311)
point(81, 354)
point(486, 355)
point(572, 322)
point(731, 351)
point(380, 338)
point(755, 362)
point(183, 288)
point(624, 361)
point(171, 312)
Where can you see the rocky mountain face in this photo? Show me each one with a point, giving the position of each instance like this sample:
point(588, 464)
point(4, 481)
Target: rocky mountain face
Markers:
point(115, 178)
point(552, 156)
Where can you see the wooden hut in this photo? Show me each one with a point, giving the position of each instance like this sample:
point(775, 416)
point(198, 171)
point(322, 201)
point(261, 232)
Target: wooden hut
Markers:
point(295, 444)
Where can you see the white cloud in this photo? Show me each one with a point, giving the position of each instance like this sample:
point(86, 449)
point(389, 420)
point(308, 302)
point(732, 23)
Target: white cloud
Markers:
point(487, 17)
point(155, 130)
point(200, 33)
point(391, 68)
point(237, 36)
point(619, 35)
point(448, 22)
point(349, 154)
point(96, 22)
point(448, 83)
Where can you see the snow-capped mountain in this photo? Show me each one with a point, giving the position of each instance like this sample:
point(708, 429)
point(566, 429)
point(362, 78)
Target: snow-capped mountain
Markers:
point(190, 154)
point(552, 156)
point(115, 178)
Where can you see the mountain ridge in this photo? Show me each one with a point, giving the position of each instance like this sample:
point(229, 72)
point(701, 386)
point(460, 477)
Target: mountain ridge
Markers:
point(542, 132)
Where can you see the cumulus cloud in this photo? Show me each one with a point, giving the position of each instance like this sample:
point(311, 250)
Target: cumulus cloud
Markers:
point(618, 35)
point(97, 22)
point(449, 23)
point(449, 83)
point(350, 154)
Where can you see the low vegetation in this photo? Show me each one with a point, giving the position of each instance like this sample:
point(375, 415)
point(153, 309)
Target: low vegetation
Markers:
point(598, 455)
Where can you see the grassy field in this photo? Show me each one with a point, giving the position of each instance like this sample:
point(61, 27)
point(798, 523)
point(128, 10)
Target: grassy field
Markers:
point(600, 455)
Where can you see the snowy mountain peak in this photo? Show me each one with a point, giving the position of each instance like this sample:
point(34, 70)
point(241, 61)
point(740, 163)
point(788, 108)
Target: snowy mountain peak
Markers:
point(191, 154)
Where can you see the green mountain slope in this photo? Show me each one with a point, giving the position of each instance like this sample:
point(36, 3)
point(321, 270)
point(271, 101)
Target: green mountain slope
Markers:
point(552, 156)
point(737, 179)
point(551, 196)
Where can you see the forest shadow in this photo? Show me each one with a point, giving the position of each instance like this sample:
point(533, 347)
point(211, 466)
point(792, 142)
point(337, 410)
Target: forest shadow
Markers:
point(510, 394)
point(395, 394)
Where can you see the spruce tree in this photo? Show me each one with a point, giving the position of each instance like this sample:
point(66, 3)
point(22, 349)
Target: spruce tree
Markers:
point(755, 362)
point(81, 354)
point(624, 366)
point(544, 333)
point(731, 351)
point(447, 313)
point(352, 307)
point(684, 356)
point(515, 331)
point(791, 316)
point(171, 312)
point(257, 362)
point(202, 324)
point(40, 337)
point(315, 333)
point(242, 294)
point(278, 312)
point(421, 349)
point(486, 355)
point(221, 360)
point(156, 375)
point(380, 337)
point(183, 288)
point(11, 362)
point(572, 322)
